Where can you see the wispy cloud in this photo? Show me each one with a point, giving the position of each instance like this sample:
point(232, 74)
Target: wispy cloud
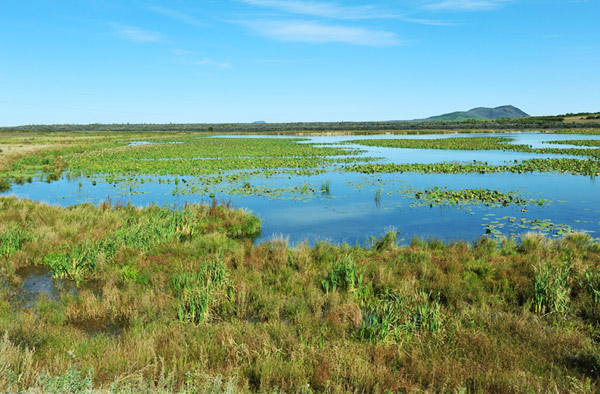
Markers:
point(324, 9)
point(181, 52)
point(177, 15)
point(464, 5)
point(136, 34)
point(189, 57)
point(312, 32)
point(428, 22)
point(335, 11)
point(210, 62)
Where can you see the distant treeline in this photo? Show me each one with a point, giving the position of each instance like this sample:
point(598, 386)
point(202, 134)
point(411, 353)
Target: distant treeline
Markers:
point(528, 123)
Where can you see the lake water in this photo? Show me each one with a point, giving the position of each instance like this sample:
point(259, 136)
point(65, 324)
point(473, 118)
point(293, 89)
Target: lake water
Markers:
point(359, 206)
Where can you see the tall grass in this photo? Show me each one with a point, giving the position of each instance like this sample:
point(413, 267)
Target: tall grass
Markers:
point(12, 238)
point(551, 289)
point(4, 184)
point(75, 263)
point(342, 275)
point(395, 313)
point(197, 290)
point(17, 370)
point(592, 283)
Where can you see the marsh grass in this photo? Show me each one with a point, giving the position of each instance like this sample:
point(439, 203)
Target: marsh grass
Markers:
point(12, 238)
point(326, 187)
point(197, 290)
point(342, 275)
point(184, 301)
point(377, 197)
point(551, 289)
point(592, 283)
point(4, 184)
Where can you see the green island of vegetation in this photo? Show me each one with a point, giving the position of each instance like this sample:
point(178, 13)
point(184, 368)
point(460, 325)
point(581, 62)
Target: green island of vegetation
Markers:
point(183, 301)
point(593, 143)
point(482, 143)
point(437, 196)
point(588, 167)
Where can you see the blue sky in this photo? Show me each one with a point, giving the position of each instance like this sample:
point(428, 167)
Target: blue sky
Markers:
point(104, 61)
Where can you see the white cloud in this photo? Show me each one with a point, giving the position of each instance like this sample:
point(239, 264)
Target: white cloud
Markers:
point(180, 16)
point(312, 32)
point(323, 9)
point(464, 5)
point(136, 34)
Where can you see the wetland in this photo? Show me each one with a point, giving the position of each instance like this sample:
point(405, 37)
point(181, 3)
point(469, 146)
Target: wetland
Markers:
point(197, 262)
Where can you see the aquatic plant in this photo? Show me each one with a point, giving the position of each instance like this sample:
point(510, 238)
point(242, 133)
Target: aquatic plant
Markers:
point(591, 143)
point(470, 143)
point(326, 187)
point(443, 196)
point(377, 197)
point(587, 167)
point(482, 143)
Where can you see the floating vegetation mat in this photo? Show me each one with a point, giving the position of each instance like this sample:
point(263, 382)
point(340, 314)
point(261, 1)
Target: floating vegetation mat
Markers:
point(589, 167)
point(444, 196)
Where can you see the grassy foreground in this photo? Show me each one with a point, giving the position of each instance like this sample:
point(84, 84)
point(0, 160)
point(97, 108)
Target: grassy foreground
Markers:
point(183, 301)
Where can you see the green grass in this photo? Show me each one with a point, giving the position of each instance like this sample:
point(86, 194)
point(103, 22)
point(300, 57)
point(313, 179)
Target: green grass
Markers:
point(343, 275)
point(197, 290)
point(12, 238)
point(592, 283)
point(551, 289)
point(76, 263)
point(4, 184)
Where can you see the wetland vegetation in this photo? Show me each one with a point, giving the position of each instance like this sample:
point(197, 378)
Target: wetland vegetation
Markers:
point(181, 297)
point(572, 166)
point(182, 300)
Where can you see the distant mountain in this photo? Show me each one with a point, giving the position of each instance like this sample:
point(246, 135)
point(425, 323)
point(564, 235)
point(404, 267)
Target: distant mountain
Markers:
point(482, 113)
